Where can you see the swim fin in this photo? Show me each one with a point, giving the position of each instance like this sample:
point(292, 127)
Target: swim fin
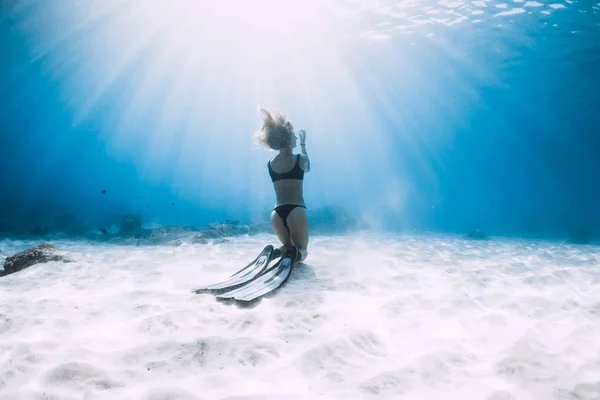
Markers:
point(268, 281)
point(245, 275)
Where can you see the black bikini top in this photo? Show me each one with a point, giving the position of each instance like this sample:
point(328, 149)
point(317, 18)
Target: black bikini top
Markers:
point(294, 173)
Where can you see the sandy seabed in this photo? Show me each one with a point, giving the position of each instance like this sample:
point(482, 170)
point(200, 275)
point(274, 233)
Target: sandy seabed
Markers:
point(367, 316)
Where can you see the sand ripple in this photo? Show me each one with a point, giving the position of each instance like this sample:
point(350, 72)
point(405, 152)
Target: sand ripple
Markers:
point(397, 317)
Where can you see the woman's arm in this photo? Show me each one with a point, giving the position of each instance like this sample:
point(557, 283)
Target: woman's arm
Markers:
point(304, 160)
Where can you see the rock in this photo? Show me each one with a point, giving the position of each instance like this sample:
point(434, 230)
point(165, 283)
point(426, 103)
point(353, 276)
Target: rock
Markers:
point(260, 227)
point(40, 254)
point(131, 226)
point(476, 234)
point(165, 235)
point(211, 233)
point(199, 240)
point(220, 230)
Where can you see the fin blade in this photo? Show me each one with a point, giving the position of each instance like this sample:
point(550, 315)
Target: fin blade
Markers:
point(243, 276)
point(269, 281)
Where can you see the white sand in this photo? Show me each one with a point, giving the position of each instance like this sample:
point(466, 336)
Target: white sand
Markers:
point(366, 317)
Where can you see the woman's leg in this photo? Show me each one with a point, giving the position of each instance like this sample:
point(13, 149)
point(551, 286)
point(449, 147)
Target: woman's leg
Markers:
point(282, 232)
point(297, 222)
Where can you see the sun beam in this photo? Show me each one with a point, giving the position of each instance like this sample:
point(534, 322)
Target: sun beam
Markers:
point(174, 87)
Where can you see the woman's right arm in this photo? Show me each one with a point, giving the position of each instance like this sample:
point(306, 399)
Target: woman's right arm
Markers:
point(304, 160)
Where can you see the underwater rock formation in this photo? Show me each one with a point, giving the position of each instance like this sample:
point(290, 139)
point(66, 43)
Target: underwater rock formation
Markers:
point(221, 230)
point(131, 226)
point(260, 227)
point(323, 220)
point(226, 229)
point(171, 235)
point(165, 235)
point(40, 254)
point(199, 240)
point(477, 234)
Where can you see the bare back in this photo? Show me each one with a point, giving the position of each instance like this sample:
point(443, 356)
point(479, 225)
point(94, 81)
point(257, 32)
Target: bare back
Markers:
point(287, 191)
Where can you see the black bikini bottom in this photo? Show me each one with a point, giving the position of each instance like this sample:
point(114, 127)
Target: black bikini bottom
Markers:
point(284, 210)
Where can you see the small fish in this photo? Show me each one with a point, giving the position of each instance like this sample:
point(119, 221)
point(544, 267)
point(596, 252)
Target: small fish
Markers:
point(103, 191)
point(104, 231)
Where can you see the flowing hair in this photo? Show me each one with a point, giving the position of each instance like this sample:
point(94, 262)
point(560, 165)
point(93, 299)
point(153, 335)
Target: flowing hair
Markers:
point(276, 132)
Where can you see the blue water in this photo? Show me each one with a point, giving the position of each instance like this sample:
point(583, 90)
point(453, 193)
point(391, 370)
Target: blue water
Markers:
point(445, 116)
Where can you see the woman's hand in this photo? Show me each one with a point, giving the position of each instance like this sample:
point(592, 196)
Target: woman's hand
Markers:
point(302, 135)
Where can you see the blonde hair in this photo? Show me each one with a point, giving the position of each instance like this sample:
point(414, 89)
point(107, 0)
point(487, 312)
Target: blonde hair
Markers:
point(276, 132)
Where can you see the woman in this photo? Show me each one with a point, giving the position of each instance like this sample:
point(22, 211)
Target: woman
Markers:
point(288, 219)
